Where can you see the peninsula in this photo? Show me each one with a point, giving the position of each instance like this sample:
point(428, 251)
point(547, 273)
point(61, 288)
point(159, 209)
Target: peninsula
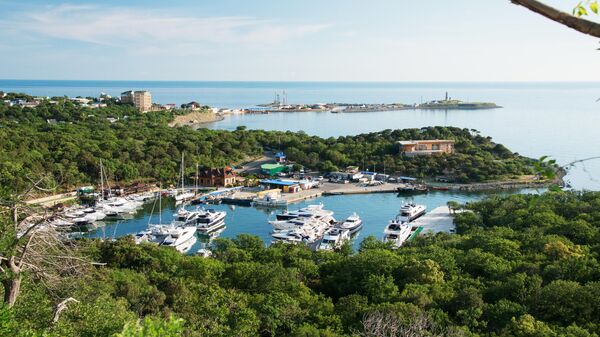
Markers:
point(444, 104)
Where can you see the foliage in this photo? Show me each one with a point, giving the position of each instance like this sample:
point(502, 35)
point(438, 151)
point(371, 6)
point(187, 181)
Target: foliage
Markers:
point(141, 145)
point(520, 265)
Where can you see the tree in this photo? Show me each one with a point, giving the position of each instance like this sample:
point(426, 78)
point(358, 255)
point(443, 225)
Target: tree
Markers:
point(572, 21)
point(29, 244)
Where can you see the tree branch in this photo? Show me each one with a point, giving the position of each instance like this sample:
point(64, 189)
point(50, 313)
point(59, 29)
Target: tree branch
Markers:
point(581, 25)
point(60, 307)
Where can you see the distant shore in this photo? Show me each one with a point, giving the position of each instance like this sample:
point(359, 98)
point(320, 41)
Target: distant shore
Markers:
point(196, 119)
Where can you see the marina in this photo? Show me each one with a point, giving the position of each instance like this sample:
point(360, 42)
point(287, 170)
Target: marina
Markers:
point(375, 211)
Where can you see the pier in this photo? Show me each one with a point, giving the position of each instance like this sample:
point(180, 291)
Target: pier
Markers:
point(438, 220)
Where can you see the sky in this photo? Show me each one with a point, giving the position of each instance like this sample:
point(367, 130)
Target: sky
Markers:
point(291, 40)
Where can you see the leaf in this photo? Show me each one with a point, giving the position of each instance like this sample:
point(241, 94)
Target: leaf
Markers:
point(594, 7)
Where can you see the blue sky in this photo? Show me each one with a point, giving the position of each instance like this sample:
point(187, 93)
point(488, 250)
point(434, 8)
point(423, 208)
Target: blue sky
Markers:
point(324, 40)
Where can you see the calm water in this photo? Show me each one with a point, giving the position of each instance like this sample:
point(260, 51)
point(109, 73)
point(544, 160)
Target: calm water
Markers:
point(556, 119)
point(375, 210)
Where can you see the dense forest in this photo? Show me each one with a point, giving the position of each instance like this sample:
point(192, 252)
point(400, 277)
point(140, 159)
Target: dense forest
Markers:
point(519, 265)
point(68, 141)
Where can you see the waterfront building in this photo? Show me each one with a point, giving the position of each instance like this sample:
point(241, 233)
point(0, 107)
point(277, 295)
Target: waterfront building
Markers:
point(141, 99)
point(426, 147)
point(217, 177)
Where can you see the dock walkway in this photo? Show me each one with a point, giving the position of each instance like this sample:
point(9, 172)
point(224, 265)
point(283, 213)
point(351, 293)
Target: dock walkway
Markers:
point(438, 220)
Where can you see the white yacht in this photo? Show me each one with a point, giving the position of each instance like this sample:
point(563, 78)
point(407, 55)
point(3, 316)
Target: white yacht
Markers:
point(295, 236)
point(353, 224)
point(117, 207)
point(183, 217)
point(410, 211)
point(334, 238)
point(93, 213)
point(171, 236)
point(310, 211)
point(210, 220)
point(397, 232)
point(297, 223)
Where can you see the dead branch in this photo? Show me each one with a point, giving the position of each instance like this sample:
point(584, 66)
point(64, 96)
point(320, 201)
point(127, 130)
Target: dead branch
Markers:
point(60, 307)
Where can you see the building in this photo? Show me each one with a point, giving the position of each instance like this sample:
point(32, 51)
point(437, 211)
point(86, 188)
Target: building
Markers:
point(273, 169)
point(217, 177)
point(280, 157)
point(127, 97)
point(426, 147)
point(141, 99)
point(193, 105)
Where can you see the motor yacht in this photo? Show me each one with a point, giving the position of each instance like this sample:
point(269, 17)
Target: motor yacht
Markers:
point(334, 238)
point(170, 236)
point(353, 224)
point(397, 232)
point(210, 220)
point(310, 211)
point(410, 211)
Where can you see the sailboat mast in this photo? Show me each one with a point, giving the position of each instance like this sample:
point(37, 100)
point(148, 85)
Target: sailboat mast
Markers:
point(101, 182)
point(160, 204)
point(182, 172)
point(196, 192)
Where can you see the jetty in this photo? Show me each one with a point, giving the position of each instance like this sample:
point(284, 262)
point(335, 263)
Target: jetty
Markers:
point(438, 220)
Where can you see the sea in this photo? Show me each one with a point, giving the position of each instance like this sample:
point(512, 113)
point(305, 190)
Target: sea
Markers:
point(555, 119)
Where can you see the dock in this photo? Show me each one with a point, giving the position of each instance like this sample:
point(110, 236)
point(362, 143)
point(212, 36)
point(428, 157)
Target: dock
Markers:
point(438, 220)
point(302, 195)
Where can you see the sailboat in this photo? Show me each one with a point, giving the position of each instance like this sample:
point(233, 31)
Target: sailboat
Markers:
point(113, 207)
point(182, 195)
point(182, 238)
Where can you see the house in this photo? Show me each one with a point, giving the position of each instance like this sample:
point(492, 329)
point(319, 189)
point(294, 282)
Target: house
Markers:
point(193, 105)
point(280, 157)
point(216, 177)
point(426, 147)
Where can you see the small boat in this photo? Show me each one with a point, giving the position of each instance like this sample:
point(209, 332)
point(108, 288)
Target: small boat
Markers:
point(204, 252)
point(353, 224)
point(413, 188)
point(334, 238)
point(237, 201)
point(397, 233)
point(440, 188)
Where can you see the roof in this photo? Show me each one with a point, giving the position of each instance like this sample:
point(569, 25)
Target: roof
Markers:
point(279, 154)
point(279, 182)
point(270, 166)
point(408, 178)
point(428, 141)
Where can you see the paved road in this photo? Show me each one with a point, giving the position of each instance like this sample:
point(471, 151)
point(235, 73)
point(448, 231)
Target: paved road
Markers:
point(254, 166)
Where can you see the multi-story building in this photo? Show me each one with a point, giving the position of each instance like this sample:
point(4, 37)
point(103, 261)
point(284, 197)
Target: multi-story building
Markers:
point(426, 147)
point(141, 99)
point(217, 177)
